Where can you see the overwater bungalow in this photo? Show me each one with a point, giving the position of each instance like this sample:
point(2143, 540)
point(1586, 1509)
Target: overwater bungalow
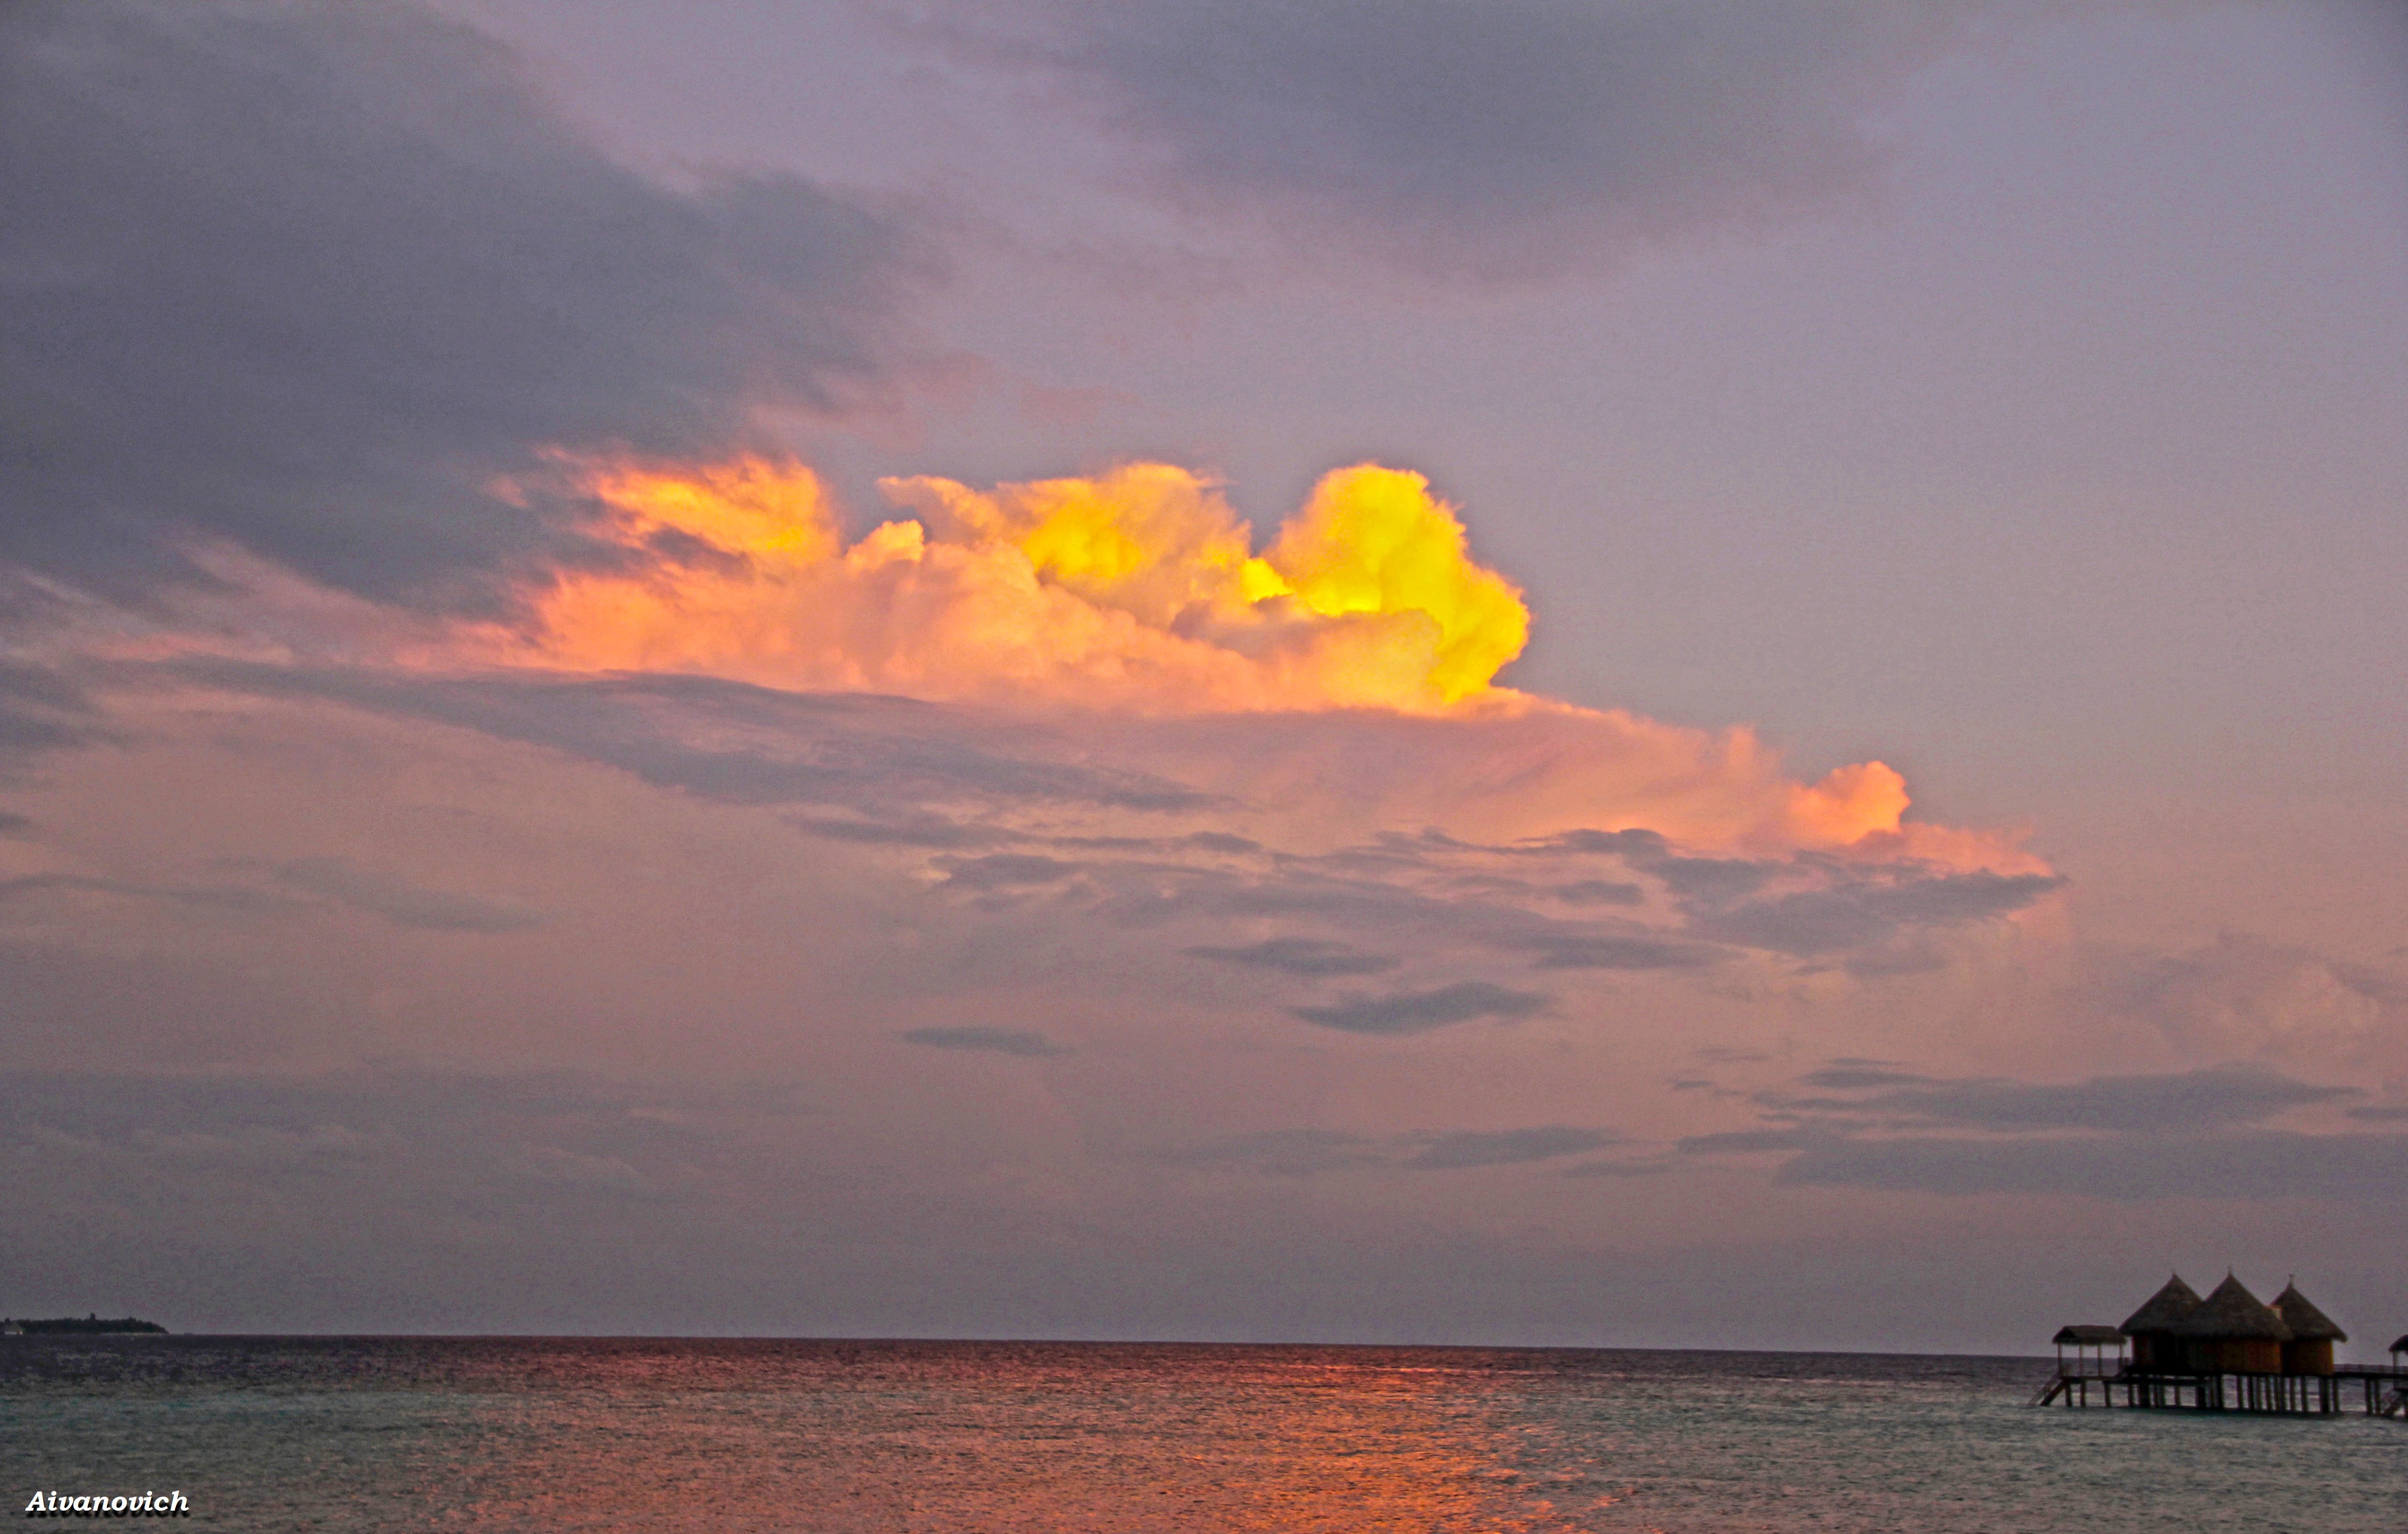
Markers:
point(2232, 1332)
point(2156, 1349)
point(2229, 1352)
point(2309, 1351)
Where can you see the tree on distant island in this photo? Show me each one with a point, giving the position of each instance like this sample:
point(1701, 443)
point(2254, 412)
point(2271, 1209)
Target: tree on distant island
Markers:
point(93, 1324)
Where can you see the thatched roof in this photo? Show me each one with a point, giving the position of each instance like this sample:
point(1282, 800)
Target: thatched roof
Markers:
point(2088, 1337)
point(2401, 1345)
point(2232, 1312)
point(2166, 1307)
point(2307, 1323)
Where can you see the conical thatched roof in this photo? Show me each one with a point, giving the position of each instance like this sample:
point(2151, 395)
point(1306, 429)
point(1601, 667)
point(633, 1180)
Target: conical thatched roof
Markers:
point(2166, 1307)
point(2401, 1345)
point(2307, 1323)
point(2232, 1312)
point(2088, 1337)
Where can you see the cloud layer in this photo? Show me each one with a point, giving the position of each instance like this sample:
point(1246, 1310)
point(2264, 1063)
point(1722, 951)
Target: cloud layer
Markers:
point(1506, 138)
point(311, 276)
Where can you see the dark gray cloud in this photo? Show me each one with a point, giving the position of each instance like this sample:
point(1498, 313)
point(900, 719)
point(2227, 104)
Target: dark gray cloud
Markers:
point(1298, 956)
point(1851, 1075)
point(1468, 1148)
point(2207, 1099)
point(917, 831)
point(1864, 910)
point(2188, 1134)
point(37, 887)
point(1504, 138)
point(1419, 1012)
point(1305, 1153)
point(1581, 951)
point(41, 709)
point(403, 903)
point(2253, 1164)
point(1600, 892)
point(1006, 870)
point(2186, 1100)
point(1710, 879)
point(312, 276)
point(1278, 1152)
point(1656, 1167)
point(396, 900)
point(887, 758)
point(1019, 1041)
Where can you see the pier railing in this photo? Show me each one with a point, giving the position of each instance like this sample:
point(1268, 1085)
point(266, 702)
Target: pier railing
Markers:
point(2093, 1382)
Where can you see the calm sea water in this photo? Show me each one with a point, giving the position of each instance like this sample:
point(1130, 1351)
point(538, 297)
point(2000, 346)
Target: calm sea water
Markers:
point(934, 1438)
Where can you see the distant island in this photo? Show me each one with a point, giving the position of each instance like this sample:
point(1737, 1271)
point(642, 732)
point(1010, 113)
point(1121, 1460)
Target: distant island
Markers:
point(75, 1325)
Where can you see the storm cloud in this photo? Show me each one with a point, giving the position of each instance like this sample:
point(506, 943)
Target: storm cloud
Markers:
point(1506, 138)
point(318, 278)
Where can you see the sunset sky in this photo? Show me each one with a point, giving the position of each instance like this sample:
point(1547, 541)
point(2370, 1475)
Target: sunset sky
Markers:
point(1601, 672)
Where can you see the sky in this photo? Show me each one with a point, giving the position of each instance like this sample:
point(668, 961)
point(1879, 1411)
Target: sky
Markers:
point(1566, 672)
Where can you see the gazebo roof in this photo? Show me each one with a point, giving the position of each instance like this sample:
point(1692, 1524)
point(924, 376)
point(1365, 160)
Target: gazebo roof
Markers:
point(2166, 1307)
point(2088, 1337)
point(2307, 1323)
point(2232, 1312)
point(2401, 1346)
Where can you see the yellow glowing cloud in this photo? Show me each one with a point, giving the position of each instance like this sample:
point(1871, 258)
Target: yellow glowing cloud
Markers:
point(1373, 539)
point(1137, 589)
point(1138, 593)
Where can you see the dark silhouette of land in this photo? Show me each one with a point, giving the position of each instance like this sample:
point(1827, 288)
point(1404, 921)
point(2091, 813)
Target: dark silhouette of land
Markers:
point(71, 1325)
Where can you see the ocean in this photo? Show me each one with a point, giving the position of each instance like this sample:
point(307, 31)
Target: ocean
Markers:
point(972, 1438)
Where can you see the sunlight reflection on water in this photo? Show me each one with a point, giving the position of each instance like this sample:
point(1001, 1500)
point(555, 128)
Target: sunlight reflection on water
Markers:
point(936, 1438)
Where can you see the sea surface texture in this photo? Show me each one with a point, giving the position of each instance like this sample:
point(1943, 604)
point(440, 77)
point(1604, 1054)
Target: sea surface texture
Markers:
point(952, 1437)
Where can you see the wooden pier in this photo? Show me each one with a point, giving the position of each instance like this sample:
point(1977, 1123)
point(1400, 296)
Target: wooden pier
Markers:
point(2383, 1391)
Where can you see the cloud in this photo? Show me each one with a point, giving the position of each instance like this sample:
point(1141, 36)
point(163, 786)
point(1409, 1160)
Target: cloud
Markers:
point(1574, 951)
point(2182, 1134)
point(1503, 138)
point(738, 743)
point(2246, 995)
point(1851, 1075)
point(1600, 892)
point(1419, 1012)
point(1138, 588)
point(2194, 1099)
point(2214, 1097)
point(1034, 1046)
point(42, 710)
point(1869, 909)
point(923, 831)
point(225, 897)
point(1298, 956)
point(2249, 1165)
point(1278, 1153)
point(1307, 1152)
point(1006, 870)
point(1470, 1148)
point(324, 280)
point(403, 903)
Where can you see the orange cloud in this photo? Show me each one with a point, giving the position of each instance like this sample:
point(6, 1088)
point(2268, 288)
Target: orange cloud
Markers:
point(1136, 590)
point(1138, 595)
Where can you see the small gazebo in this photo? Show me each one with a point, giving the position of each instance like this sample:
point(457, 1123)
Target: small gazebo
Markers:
point(2091, 1346)
point(2309, 1351)
point(2156, 1349)
point(2232, 1332)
